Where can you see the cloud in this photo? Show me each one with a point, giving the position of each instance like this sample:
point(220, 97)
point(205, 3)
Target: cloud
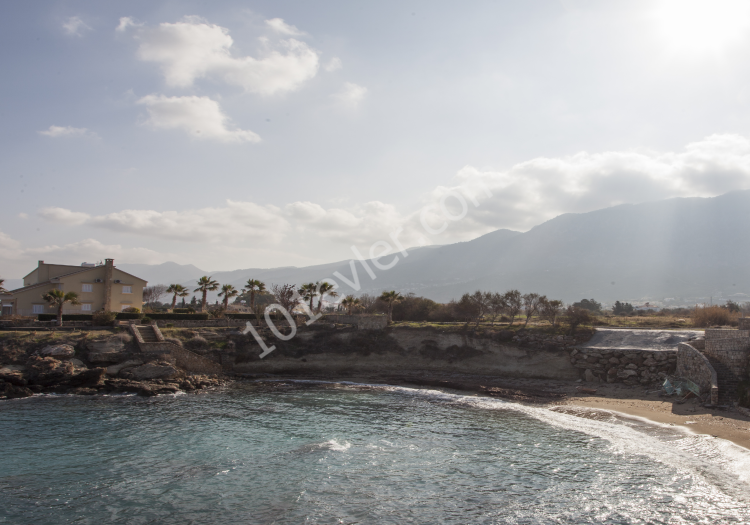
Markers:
point(237, 221)
point(74, 26)
point(278, 25)
point(18, 260)
point(351, 94)
point(523, 196)
point(333, 64)
point(193, 48)
point(63, 216)
point(200, 117)
point(67, 131)
point(539, 189)
point(125, 23)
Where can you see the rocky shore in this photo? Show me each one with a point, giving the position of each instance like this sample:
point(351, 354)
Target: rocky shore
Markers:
point(96, 367)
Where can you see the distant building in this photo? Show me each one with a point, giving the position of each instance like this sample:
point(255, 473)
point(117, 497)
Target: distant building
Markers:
point(99, 287)
point(647, 307)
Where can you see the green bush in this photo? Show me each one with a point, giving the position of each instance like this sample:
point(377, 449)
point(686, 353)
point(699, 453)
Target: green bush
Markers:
point(184, 311)
point(103, 318)
point(145, 320)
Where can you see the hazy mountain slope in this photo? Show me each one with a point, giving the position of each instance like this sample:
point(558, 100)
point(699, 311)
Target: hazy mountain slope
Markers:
point(687, 248)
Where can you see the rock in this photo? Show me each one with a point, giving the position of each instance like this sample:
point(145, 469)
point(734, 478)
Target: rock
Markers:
point(614, 360)
point(47, 371)
point(505, 335)
point(13, 374)
point(649, 362)
point(89, 378)
point(113, 370)
point(626, 374)
point(77, 363)
point(154, 371)
point(57, 351)
point(110, 350)
point(612, 372)
point(10, 391)
point(588, 375)
point(631, 366)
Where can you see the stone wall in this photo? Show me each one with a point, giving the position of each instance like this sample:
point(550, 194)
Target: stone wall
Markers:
point(362, 322)
point(238, 323)
point(744, 323)
point(693, 365)
point(623, 366)
point(730, 348)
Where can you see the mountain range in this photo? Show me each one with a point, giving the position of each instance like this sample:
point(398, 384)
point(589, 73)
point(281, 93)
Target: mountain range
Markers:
point(683, 250)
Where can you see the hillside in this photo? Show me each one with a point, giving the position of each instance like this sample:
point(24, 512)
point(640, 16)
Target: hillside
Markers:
point(687, 249)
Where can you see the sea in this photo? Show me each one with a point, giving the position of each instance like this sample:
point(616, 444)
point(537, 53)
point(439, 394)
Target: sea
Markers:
point(306, 452)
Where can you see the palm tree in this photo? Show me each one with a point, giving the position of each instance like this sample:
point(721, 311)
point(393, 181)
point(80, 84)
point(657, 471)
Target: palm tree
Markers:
point(350, 303)
point(178, 291)
point(58, 298)
point(2, 290)
point(228, 291)
point(325, 288)
point(205, 285)
point(391, 298)
point(308, 292)
point(252, 286)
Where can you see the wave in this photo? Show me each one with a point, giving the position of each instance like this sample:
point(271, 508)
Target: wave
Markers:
point(712, 460)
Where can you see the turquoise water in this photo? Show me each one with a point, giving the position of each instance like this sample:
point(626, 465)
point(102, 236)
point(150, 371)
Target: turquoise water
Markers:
point(316, 453)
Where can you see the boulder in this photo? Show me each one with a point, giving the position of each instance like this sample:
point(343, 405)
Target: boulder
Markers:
point(154, 371)
point(57, 351)
point(77, 363)
point(13, 374)
point(47, 371)
point(89, 378)
point(108, 351)
point(10, 391)
point(589, 376)
point(113, 370)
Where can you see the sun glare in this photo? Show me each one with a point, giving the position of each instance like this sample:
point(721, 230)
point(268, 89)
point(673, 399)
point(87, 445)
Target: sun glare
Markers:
point(702, 27)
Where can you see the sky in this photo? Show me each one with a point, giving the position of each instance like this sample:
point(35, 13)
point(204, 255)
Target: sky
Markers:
point(262, 134)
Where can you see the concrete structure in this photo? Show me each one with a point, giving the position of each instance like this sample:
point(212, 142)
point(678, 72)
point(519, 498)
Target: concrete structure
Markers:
point(99, 287)
point(693, 365)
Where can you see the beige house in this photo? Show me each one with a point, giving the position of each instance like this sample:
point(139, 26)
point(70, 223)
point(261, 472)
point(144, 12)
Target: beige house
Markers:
point(99, 287)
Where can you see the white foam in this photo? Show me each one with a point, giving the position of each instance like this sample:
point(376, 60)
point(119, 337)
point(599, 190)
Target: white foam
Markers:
point(714, 461)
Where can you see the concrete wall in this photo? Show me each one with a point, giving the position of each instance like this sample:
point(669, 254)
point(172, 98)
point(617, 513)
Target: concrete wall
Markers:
point(239, 323)
point(362, 322)
point(693, 365)
point(624, 366)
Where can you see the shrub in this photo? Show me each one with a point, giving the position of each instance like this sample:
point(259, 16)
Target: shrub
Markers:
point(103, 318)
point(146, 320)
point(197, 344)
point(575, 316)
point(184, 311)
point(173, 340)
point(124, 337)
point(131, 310)
point(713, 316)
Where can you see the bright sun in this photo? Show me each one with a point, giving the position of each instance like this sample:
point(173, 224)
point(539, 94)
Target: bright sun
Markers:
point(702, 26)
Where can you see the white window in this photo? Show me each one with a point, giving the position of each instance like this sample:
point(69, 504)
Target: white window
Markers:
point(127, 289)
point(86, 307)
point(87, 288)
point(38, 308)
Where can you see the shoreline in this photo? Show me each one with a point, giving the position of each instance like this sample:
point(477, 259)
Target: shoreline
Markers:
point(627, 401)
